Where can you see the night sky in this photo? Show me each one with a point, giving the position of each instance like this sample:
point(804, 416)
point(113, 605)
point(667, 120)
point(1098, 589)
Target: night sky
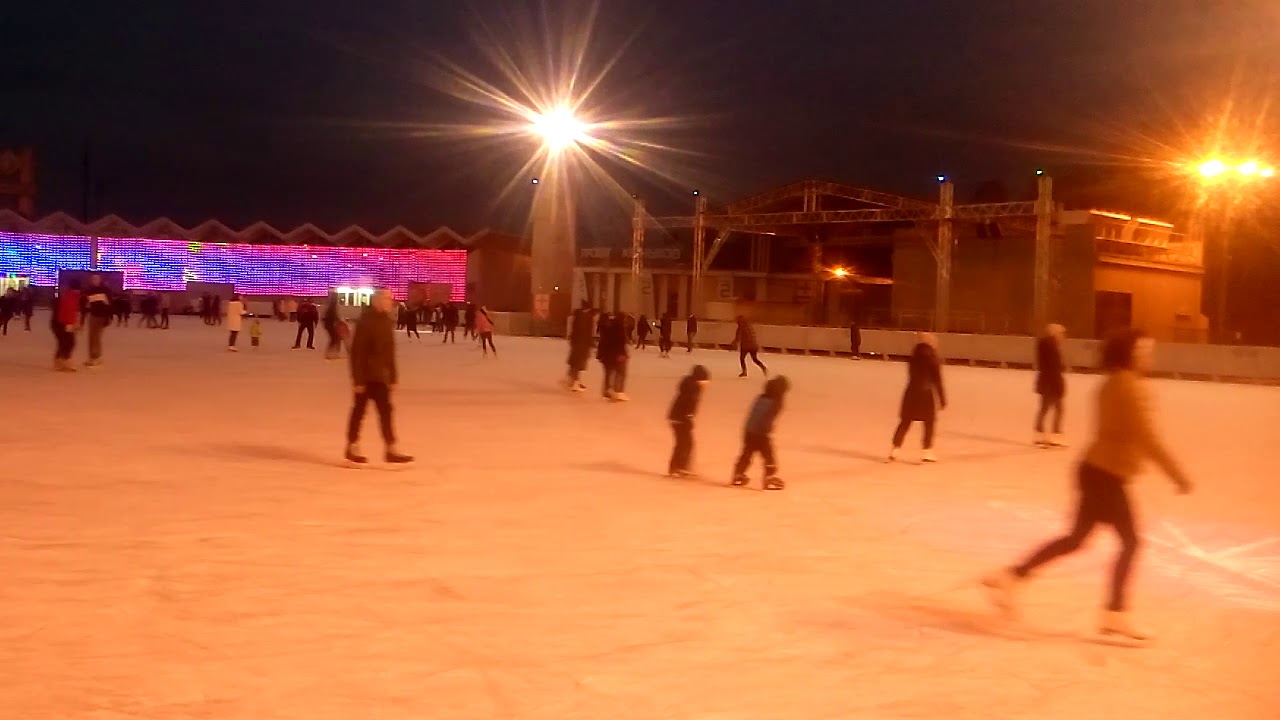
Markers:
point(249, 111)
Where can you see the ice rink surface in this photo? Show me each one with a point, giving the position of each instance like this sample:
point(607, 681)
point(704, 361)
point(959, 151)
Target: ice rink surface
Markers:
point(179, 540)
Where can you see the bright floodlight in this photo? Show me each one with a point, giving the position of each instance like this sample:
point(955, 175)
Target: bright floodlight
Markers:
point(1249, 168)
point(559, 129)
point(1212, 168)
point(840, 272)
point(1267, 172)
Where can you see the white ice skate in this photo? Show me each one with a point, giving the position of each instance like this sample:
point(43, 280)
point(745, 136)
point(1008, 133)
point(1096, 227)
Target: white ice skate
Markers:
point(1057, 440)
point(1115, 625)
point(619, 397)
point(893, 455)
point(1002, 587)
point(1041, 439)
point(929, 456)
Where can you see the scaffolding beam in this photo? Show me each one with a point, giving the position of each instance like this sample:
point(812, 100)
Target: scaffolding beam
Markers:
point(1043, 262)
point(637, 253)
point(942, 280)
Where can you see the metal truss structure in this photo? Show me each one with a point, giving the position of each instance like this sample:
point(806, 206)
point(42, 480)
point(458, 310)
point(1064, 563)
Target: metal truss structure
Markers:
point(744, 217)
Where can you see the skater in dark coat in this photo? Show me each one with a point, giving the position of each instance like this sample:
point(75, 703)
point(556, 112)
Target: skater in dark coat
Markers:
point(373, 376)
point(681, 415)
point(1050, 384)
point(664, 335)
point(1124, 440)
point(855, 340)
point(411, 323)
point(27, 304)
point(604, 319)
point(469, 321)
point(97, 308)
point(580, 340)
point(643, 328)
point(691, 330)
point(612, 354)
point(8, 308)
point(747, 344)
point(757, 436)
point(330, 320)
point(449, 319)
point(629, 326)
point(923, 397)
point(308, 316)
point(66, 317)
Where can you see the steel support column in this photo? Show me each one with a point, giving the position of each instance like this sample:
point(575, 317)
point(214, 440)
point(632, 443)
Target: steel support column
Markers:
point(942, 253)
point(699, 254)
point(1043, 260)
point(637, 254)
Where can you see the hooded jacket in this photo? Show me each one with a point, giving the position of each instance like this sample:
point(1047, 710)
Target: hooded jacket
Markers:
point(373, 349)
point(688, 395)
point(765, 410)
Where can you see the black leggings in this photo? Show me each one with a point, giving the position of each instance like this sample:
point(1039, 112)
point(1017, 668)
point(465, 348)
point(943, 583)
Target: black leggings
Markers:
point(742, 360)
point(1103, 499)
point(683, 451)
point(66, 342)
point(1047, 403)
point(380, 394)
point(411, 330)
point(615, 377)
point(451, 333)
point(231, 339)
point(486, 343)
point(904, 425)
point(753, 443)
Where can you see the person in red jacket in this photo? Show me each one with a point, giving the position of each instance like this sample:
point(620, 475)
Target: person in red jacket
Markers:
point(66, 317)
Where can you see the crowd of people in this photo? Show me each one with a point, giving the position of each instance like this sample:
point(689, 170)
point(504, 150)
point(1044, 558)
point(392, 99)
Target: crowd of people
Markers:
point(1124, 436)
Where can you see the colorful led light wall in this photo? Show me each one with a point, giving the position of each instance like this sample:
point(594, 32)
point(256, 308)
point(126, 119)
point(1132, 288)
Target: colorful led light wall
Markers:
point(252, 269)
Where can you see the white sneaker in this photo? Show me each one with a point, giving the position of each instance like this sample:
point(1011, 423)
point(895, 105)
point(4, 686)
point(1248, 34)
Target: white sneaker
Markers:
point(1041, 439)
point(579, 387)
point(929, 457)
point(620, 397)
point(1116, 624)
point(1002, 587)
point(232, 348)
point(1057, 440)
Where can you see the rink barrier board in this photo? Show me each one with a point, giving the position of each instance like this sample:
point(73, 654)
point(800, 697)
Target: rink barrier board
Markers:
point(1224, 363)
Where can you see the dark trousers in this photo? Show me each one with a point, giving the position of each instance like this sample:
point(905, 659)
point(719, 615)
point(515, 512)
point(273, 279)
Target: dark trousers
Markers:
point(742, 360)
point(642, 341)
point(855, 347)
point(310, 330)
point(96, 326)
point(904, 425)
point(683, 451)
point(1103, 499)
point(450, 333)
point(66, 340)
point(4, 324)
point(380, 394)
point(26, 318)
point(334, 347)
point(231, 339)
point(689, 342)
point(615, 377)
point(753, 443)
point(164, 319)
point(1047, 403)
point(412, 330)
point(486, 343)
point(664, 343)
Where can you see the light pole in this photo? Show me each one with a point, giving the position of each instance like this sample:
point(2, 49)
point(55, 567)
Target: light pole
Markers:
point(552, 255)
point(1222, 183)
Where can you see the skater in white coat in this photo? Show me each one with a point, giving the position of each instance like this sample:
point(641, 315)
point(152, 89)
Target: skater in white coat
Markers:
point(235, 316)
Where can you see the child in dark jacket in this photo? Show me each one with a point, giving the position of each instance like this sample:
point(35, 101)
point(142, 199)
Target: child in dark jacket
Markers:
point(681, 416)
point(758, 435)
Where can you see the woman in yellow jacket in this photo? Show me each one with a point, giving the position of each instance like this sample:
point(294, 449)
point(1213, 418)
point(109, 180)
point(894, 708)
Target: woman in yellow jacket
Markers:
point(1125, 438)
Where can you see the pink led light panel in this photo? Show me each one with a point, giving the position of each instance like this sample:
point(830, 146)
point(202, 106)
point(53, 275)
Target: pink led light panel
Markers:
point(252, 269)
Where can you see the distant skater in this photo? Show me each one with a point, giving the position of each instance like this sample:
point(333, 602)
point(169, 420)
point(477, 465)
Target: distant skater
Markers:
point(8, 308)
point(65, 319)
point(97, 303)
point(330, 321)
point(580, 339)
point(469, 321)
point(411, 323)
point(27, 303)
point(612, 354)
point(373, 377)
point(1051, 386)
point(643, 329)
point(681, 415)
point(664, 335)
point(255, 333)
point(449, 321)
point(747, 344)
point(308, 315)
point(923, 397)
point(235, 316)
point(757, 436)
point(855, 340)
point(164, 311)
point(484, 328)
point(691, 330)
point(1125, 438)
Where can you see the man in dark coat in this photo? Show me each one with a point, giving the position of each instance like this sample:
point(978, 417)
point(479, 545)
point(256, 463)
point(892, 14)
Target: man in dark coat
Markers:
point(1050, 384)
point(97, 307)
point(691, 330)
point(373, 376)
point(27, 303)
point(681, 415)
point(855, 340)
point(332, 317)
point(469, 321)
point(449, 319)
point(923, 397)
point(308, 317)
point(612, 354)
point(748, 345)
point(664, 335)
point(580, 338)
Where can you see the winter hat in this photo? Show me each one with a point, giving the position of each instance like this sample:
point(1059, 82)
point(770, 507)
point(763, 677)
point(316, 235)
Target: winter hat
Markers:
point(777, 386)
point(700, 373)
